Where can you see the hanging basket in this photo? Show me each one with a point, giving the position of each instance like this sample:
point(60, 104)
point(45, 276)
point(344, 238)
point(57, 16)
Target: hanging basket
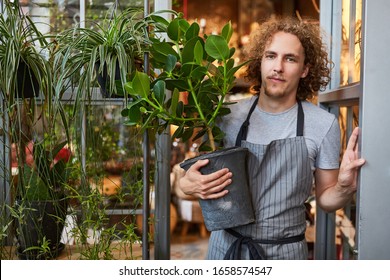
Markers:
point(27, 84)
point(103, 81)
point(235, 208)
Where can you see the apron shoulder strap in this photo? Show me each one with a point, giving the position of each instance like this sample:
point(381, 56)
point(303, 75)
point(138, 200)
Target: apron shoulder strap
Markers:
point(300, 119)
point(244, 127)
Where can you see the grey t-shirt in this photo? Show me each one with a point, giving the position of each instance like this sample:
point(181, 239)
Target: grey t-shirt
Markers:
point(321, 130)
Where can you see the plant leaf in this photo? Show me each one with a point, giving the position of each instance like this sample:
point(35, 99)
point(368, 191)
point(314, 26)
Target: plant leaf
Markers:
point(193, 31)
point(141, 84)
point(188, 52)
point(198, 53)
point(170, 63)
point(174, 101)
point(160, 51)
point(217, 47)
point(173, 29)
point(159, 92)
point(227, 31)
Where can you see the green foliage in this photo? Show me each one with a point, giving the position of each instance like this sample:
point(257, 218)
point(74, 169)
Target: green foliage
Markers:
point(21, 43)
point(47, 178)
point(201, 70)
point(119, 39)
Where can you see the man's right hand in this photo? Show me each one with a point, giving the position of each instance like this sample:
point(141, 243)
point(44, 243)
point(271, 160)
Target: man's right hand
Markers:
point(208, 186)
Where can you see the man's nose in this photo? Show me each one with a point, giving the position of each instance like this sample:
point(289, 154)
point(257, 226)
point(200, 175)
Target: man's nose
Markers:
point(278, 65)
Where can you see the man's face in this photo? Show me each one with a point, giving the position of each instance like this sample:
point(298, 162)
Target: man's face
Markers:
point(282, 66)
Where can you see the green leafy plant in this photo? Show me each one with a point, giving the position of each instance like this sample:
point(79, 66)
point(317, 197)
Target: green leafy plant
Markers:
point(22, 56)
point(199, 73)
point(46, 178)
point(119, 39)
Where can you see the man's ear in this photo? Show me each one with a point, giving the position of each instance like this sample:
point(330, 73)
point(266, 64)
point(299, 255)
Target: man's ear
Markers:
point(305, 71)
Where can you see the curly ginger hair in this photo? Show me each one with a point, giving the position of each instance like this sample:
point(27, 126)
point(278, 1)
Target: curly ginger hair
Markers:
point(316, 55)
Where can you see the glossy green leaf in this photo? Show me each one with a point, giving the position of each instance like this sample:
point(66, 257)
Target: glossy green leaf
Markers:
point(204, 147)
point(227, 31)
point(160, 51)
point(174, 102)
point(141, 84)
point(134, 112)
point(179, 109)
point(177, 28)
point(159, 19)
point(198, 52)
point(184, 26)
point(217, 47)
point(199, 73)
point(170, 63)
point(179, 84)
point(173, 29)
point(159, 92)
point(193, 31)
point(187, 69)
point(235, 69)
point(188, 52)
point(129, 89)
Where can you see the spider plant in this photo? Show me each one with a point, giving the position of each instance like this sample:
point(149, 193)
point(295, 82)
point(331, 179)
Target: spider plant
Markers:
point(22, 56)
point(112, 48)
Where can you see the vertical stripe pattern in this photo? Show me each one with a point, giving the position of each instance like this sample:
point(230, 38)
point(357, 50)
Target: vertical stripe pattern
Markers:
point(280, 179)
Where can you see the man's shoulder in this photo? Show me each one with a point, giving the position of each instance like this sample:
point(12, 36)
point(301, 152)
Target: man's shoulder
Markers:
point(318, 120)
point(317, 112)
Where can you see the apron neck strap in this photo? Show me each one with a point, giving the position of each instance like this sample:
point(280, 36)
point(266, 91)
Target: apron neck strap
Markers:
point(300, 119)
point(244, 127)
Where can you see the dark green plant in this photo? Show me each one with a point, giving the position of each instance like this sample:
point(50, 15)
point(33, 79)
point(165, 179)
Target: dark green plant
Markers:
point(201, 70)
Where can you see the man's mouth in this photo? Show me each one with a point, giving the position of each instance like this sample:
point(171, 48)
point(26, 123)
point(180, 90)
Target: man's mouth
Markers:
point(276, 79)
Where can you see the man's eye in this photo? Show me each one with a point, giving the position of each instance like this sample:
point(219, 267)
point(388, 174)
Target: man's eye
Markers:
point(269, 56)
point(291, 59)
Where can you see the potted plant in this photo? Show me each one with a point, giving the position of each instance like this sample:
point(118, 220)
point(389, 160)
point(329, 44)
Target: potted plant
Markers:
point(37, 181)
point(106, 52)
point(24, 70)
point(199, 72)
point(41, 203)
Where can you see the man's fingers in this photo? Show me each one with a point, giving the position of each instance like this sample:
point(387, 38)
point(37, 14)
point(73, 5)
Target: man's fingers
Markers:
point(199, 164)
point(215, 195)
point(356, 163)
point(352, 142)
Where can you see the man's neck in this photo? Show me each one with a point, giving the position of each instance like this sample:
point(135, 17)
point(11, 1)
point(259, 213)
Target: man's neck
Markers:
point(276, 104)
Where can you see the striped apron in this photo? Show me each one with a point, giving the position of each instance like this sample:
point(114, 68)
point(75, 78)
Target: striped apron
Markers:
point(280, 180)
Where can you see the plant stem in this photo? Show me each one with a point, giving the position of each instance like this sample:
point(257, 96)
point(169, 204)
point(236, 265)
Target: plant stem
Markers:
point(209, 129)
point(211, 138)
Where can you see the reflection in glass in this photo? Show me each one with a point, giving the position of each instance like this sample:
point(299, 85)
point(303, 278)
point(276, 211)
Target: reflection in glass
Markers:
point(351, 38)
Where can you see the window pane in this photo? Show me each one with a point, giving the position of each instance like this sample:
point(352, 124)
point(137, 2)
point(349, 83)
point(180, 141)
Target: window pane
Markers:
point(351, 35)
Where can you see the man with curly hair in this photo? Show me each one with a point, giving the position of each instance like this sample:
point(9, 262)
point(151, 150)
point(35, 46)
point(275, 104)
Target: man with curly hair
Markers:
point(292, 143)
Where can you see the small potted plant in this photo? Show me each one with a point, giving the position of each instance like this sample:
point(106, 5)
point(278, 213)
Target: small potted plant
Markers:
point(199, 73)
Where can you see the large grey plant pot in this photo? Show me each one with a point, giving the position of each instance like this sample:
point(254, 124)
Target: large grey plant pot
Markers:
point(235, 208)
